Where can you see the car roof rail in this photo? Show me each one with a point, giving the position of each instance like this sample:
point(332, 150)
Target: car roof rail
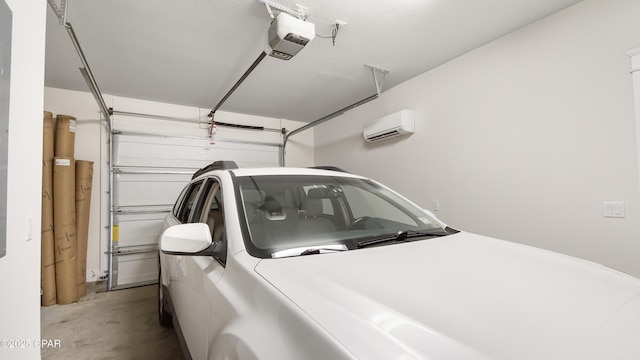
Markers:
point(216, 165)
point(332, 168)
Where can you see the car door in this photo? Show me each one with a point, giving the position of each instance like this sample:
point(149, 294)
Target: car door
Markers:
point(179, 215)
point(197, 275)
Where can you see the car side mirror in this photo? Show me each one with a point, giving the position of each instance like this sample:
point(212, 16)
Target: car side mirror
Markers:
point(187, 239)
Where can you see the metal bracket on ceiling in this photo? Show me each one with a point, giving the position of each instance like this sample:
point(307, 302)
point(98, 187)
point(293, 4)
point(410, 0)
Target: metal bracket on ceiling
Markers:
point(378, 76)
point(275, 9)
point(61, 11)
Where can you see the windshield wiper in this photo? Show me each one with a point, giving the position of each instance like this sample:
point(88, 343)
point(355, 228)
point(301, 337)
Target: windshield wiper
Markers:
point(400, 236)
point(314, 251)
point(310, 250)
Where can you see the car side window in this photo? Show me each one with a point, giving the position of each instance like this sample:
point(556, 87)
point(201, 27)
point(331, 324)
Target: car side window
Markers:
point(213, 214)
point(189, 203)
point(176, 207)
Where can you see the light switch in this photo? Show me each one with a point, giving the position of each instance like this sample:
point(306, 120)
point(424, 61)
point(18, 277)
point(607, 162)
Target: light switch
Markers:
point(618, 209)
point(614, 209)
point(436, 205)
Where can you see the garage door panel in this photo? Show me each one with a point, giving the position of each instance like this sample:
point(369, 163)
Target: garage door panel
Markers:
point(136, 230)
point(161, 151)
point(160, 155)
point(136, 269)
point(149, 172)
point(258, 157)
point(188, 153)
point(147, 189)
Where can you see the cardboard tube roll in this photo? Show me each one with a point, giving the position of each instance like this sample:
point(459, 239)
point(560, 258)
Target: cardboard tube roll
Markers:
point(65, 136)
point(84, 179)
point(64, 229)
point(47, 264)
point(47, 269)
point(47, 137)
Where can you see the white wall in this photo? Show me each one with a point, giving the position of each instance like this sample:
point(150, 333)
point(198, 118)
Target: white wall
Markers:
point(521, 139)
point(300, 147)
point(20, 268)
point(91, 144)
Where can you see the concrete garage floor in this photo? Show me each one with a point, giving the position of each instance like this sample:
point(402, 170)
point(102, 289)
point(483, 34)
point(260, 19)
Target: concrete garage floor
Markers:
point(120, 324)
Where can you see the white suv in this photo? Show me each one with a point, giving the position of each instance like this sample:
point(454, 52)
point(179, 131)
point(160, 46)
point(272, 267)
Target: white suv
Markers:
point(287, 263)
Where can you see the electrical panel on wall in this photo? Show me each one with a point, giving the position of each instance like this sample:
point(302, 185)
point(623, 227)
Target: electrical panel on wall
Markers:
point(5, 76)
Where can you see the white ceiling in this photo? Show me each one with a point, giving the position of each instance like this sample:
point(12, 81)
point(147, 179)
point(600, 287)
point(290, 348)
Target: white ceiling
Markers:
point(191, 52)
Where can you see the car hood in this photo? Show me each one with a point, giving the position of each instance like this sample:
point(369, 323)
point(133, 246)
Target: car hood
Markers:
point(464, 296)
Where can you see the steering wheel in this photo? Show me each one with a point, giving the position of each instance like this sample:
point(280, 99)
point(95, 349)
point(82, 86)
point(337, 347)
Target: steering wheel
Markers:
point(359, 222)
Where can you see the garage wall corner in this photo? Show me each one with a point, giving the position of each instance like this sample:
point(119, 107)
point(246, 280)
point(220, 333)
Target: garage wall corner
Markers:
point(20, 267)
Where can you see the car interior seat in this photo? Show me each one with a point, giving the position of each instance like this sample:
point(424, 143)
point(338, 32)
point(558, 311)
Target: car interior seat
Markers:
point(313, 219)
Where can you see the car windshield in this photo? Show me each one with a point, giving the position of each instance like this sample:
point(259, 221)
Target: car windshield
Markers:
point(317, 214)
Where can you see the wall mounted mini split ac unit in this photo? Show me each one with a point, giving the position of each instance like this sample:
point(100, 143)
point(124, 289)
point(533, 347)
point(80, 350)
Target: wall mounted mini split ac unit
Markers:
point(390, 126)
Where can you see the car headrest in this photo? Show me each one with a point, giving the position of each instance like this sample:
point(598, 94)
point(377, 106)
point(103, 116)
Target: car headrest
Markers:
point(311, 207)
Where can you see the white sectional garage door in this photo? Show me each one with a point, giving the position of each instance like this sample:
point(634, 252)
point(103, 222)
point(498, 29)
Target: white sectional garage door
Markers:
point(149, 171)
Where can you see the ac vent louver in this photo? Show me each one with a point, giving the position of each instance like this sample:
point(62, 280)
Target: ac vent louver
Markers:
point(384, 135)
